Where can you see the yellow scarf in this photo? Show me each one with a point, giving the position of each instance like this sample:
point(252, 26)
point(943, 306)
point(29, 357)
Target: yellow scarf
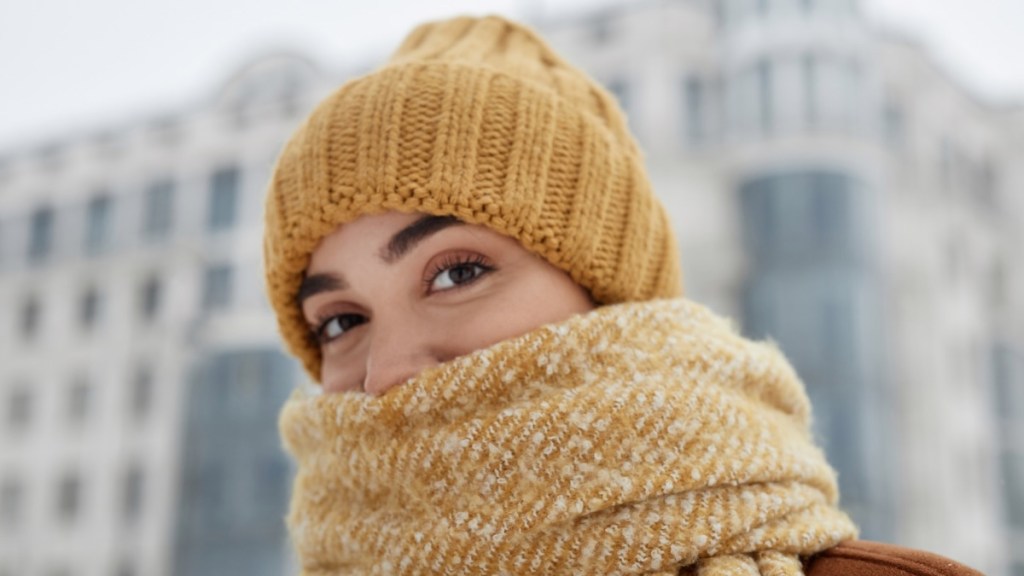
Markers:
point(639, 438)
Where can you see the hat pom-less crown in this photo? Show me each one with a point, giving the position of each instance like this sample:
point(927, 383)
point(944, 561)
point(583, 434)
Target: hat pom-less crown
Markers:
point(479, 119)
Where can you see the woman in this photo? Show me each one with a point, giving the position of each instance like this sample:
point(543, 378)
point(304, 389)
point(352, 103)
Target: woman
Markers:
point(463, 249)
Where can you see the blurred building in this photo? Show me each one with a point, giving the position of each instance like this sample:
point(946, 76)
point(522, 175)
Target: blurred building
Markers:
point(832, 188)
point(141, 373)
point(843, 196)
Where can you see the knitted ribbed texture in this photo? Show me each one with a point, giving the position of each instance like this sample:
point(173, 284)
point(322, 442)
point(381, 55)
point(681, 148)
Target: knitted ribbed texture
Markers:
point(639, 438)
point(479, 119)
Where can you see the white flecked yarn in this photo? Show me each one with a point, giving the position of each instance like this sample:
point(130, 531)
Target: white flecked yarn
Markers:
point(640, 438)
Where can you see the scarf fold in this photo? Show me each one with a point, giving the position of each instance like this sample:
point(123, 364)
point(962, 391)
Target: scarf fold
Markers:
point(640, 438)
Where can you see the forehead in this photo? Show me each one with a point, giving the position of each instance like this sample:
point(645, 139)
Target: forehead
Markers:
point(388, 237)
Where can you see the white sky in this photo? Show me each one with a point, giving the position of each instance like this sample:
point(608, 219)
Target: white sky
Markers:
point(71, 65)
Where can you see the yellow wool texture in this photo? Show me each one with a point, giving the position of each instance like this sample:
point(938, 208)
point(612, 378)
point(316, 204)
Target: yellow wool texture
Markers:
point(474, 118)
point(640, 438)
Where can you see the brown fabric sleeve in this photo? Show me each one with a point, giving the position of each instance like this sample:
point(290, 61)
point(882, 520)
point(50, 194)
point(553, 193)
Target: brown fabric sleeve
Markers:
point(877, 559)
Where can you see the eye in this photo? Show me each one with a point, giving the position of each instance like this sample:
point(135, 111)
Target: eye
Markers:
point(457, 271)
point(335, 326)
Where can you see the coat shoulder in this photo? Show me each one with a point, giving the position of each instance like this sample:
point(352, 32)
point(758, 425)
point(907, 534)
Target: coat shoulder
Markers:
point(858, 558)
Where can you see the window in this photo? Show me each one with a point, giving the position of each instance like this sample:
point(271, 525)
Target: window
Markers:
point(837, 331)
point(41, 234)
point(1009, 392)
point(810, 68)
point(149, 298)
point(829, 208)
point(30, 312)
point(946, 163)
point(694, 109)
point(721, 15)
point(764, 91)
point(126, 568)
point(854, 94)
point(208, 487)
point(998, 284)
point(956, 257)
point(11, 497)
point(801, 215)
point(159, 209)
point(1013, 484)
point(89, 308)
point(223, 198)
point(141, 393)
point(986, 183)
point(132, 494)
point(79, 402)
point(894, 121)
point(98, 227)
point(69, 497)
point(217, 283)
point(19, 408)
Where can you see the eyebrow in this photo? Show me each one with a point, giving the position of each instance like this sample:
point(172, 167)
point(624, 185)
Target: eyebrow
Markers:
point(407, 238)
point(398, 246)
point(317, 283)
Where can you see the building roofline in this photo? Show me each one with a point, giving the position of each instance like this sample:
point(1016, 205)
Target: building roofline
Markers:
point(78, 133)
point(900, 36)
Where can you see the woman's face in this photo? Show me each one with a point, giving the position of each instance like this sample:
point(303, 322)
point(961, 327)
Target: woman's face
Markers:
point(388, 295)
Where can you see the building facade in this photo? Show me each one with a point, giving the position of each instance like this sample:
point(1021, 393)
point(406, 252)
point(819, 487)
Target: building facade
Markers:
point(832, 189)
point(141, 372)
point(844, 197)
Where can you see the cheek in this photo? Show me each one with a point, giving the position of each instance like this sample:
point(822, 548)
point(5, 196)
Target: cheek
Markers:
point(342, 374)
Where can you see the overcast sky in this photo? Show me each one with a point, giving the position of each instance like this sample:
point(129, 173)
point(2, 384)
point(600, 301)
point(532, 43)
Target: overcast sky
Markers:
point(72, 65)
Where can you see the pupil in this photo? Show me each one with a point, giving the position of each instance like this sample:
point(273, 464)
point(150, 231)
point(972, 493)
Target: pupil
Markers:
point(460, 274)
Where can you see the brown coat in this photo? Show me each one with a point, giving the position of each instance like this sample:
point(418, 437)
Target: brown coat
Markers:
point(877, 559)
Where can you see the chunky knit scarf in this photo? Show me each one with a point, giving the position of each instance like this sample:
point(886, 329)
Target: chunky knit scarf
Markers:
point(643, 438)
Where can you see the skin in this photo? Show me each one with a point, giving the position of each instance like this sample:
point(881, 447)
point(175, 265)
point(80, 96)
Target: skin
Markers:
point(388, 295)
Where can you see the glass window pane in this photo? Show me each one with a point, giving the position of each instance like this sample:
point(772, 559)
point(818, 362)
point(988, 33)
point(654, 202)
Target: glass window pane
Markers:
point(159, 210)
point(695, 109)
point(79, 402)
point(223, 198)
point(41, 234)
point(89, 308)
point(1013, 483)
point(810, 68)
point(30, 313)
point(765, 92)
point(69, 497)
point(19, 408)
point(98, 228)
point(132, 494)
point(217, 285)
point(149, 298)
point(142, 393)
point(11, 497)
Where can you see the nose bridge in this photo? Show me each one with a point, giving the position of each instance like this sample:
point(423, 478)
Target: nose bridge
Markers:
point(400, 348)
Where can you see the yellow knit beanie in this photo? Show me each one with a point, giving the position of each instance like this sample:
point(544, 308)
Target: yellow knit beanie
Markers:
point(479, 119)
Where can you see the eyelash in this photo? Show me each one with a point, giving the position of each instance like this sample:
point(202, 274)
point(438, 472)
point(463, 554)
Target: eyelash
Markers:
point(318, 333)
point(449, 262)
